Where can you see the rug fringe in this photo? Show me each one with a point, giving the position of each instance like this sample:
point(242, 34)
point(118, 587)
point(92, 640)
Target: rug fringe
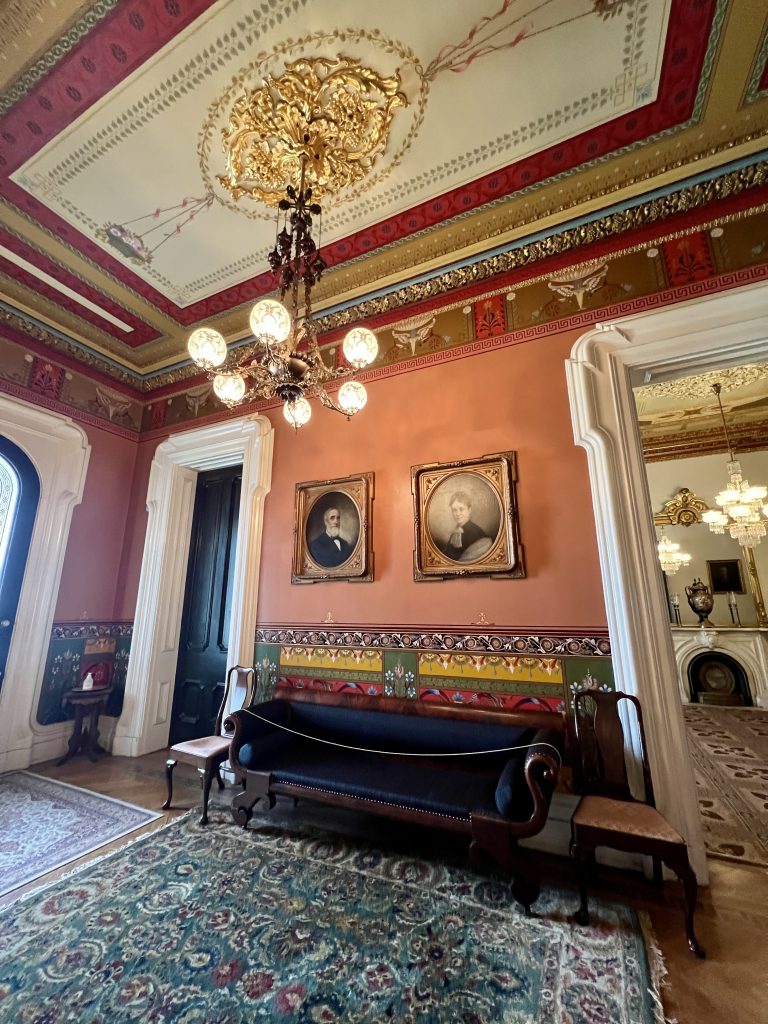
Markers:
point(657, 969)
point(96, 860)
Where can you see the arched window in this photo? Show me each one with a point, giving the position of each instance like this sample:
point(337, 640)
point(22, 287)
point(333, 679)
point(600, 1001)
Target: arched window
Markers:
point(19, 496)
point(9, 502)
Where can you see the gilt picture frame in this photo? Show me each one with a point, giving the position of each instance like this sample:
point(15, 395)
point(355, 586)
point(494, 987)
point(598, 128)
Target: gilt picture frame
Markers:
point(466, 520)
point(332, 530)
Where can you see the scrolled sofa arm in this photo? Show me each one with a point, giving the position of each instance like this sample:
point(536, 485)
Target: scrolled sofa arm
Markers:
point(523, 797)
point(249, 730)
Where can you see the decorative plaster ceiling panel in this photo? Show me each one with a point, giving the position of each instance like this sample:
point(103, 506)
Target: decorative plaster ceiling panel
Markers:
point(147, 154)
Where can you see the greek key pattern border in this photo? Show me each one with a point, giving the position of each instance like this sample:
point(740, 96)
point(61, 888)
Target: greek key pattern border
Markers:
point(546, 642)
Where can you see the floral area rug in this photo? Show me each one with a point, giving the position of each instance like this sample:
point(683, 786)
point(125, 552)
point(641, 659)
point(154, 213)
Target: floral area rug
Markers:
point(729, 749)
point(45, 823)
point(223, 926)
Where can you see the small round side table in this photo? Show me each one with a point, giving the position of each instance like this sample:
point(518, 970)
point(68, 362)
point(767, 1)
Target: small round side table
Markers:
point(92, 703)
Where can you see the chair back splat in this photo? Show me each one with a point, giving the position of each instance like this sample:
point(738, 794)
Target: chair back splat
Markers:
point(600, 740)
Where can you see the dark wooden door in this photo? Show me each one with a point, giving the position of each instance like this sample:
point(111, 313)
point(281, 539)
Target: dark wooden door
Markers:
point(202, 664)
point(19, 497)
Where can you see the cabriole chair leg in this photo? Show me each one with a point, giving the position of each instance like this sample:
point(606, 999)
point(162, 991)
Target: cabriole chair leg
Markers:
point(170, 764)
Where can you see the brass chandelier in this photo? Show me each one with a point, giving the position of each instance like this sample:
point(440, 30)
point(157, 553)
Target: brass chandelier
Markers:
point(284, 360)
point(321, 125)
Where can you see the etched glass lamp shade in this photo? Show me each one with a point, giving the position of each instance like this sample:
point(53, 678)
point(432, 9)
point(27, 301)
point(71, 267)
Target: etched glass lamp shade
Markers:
point(297, 412)
point(207, 347)
point(271, 321)
point(360, 347)
point(352, 397)
point(229, 387)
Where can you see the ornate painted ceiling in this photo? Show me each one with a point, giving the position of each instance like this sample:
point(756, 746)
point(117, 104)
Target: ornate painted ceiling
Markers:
point(535, 161)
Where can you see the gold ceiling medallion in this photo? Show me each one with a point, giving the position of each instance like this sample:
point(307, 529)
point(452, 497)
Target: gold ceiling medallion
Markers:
point(330, 116)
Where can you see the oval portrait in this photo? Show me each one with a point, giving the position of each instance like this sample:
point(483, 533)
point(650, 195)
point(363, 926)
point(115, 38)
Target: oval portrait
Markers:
point(463, 517)
point(332, 529)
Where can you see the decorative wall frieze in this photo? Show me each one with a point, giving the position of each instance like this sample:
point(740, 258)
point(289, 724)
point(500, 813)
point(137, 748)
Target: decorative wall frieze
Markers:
point(601, 229)
point(546, 642)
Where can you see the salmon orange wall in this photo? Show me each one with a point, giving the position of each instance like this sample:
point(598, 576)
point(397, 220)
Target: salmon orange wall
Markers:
point(510, 399)
point(94, 549)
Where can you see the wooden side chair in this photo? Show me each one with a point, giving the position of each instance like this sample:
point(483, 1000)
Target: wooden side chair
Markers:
point(208, 753)
point(609, 815)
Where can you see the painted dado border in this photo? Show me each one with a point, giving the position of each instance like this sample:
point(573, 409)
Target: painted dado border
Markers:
point(78, 630)
point(428, 639)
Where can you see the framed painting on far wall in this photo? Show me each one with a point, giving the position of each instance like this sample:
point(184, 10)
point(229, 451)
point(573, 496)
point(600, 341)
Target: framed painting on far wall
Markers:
point(332, 530)
point(725, 576)
point(465, 519)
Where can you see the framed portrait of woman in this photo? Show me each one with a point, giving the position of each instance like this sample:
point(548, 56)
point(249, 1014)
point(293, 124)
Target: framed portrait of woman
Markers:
point(465, 519)
point(332, 530)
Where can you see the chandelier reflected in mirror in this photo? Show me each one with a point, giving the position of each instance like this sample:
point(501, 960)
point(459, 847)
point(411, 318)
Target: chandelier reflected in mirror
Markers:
point(671, 557)
point(742, 510)
point(319, 126)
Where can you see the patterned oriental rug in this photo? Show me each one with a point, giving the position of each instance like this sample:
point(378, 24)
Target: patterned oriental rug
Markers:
point(45, 823)
point(224, 926)
point(729, 749)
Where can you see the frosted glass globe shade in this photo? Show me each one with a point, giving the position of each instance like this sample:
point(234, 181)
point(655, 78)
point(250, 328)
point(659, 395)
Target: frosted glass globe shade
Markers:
point(297, 413)
point(230, 388)
point(352, 397)
point(271, 319)
point(207, 347)
point(360, 347)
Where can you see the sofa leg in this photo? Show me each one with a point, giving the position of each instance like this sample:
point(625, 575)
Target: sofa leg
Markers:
point(526, 886)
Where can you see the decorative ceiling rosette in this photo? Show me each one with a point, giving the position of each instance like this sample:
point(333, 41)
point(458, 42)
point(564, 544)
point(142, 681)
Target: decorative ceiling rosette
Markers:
point(331, 115)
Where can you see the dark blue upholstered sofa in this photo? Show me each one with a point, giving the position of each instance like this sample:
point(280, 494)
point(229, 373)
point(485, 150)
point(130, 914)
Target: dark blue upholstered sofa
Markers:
point(373, 758)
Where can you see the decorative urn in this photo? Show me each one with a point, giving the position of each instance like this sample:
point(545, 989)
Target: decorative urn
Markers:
point(701, 601)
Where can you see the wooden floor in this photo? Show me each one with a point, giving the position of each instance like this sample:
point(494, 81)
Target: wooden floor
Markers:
point(731, 985)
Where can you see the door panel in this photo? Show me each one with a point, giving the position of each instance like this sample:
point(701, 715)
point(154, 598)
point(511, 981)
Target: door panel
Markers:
point(19, 497)
point(202, 661)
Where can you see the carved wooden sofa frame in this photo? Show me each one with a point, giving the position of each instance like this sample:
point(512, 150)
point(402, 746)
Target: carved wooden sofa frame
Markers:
point(492, 835)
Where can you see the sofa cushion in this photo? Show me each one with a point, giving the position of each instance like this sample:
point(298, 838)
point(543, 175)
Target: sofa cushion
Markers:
point(381, 730)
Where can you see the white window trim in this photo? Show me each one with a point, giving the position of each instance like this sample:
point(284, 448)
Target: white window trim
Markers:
point(59, 451)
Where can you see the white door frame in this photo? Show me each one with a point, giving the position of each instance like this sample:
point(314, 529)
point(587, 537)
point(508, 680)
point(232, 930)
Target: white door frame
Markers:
point(145, 722)
point(59, 451)
point(720, 330)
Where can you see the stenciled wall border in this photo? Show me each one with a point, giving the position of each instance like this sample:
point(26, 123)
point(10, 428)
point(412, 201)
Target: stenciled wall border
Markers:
point(544, 642)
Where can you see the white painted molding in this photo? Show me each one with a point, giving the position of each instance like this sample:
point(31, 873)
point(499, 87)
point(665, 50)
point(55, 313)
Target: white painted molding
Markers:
point(59, 451)
point(145, 722)
point(720, 330)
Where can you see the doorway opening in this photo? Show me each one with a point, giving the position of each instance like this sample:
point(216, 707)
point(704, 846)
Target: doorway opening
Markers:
point(204, 638)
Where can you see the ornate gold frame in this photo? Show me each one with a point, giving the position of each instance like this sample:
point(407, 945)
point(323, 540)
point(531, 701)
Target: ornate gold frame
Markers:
point(494, 475)
point(312, 500)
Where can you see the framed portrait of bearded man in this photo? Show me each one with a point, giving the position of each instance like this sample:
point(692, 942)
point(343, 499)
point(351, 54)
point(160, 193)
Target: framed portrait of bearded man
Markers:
point(465, 519)
point(332, 530)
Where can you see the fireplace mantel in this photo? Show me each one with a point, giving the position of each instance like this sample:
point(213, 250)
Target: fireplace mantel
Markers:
point(748, 645)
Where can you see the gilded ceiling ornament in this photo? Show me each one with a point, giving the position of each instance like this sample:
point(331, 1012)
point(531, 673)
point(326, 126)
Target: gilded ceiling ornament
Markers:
point(683, 510)
point(332, 116)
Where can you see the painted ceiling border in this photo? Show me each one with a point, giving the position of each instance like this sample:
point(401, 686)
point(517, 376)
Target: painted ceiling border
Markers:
point(689, 26)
